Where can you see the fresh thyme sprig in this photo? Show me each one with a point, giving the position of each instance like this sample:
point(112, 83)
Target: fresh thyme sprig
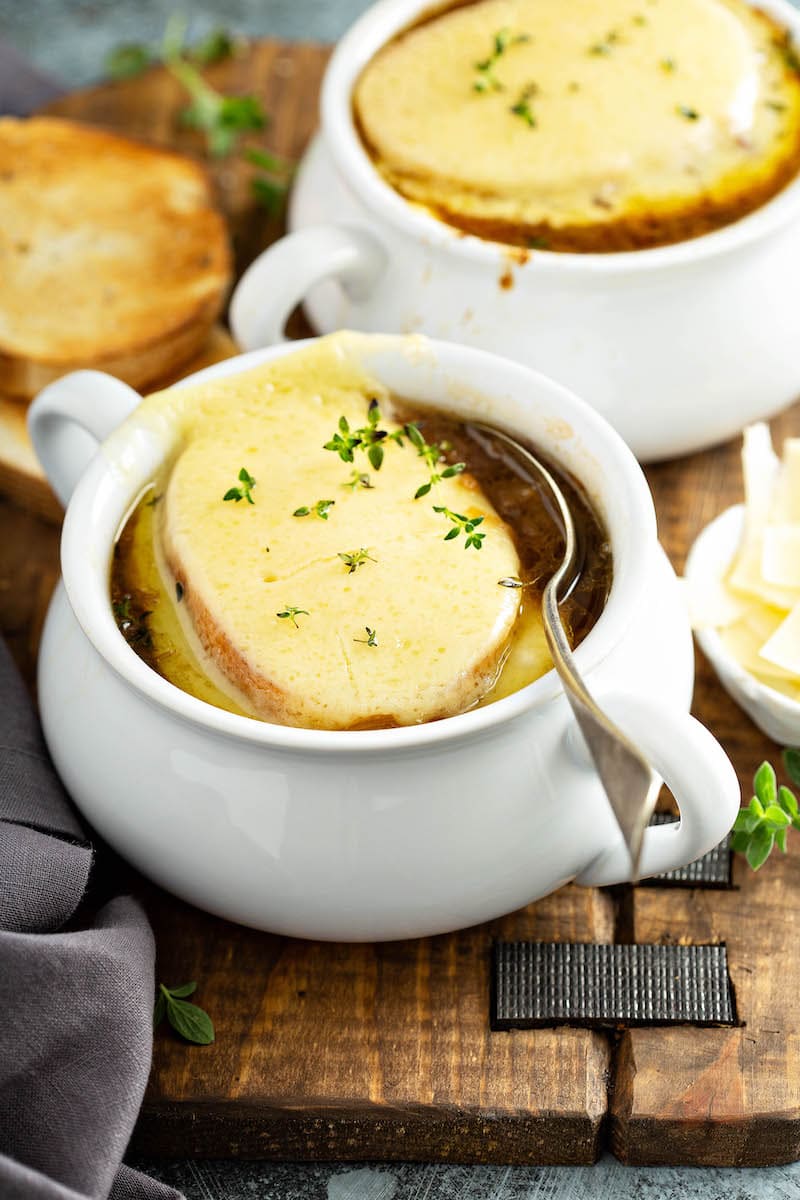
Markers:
point(370, 640)
point(290, 613)
point(221, 118)
point(244, 492)
point(353, 559)
point(368, 438)
point(189, 1020)
point(522, 108)
point(462, 524)
point(771, 813)
point(432, 455)
point(486, 79)
point(358, 479)
point(320, 509)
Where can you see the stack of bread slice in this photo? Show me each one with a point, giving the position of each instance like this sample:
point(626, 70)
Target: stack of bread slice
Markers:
point(113, 257)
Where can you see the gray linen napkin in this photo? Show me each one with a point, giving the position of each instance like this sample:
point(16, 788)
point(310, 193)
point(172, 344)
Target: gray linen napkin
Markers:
point(75, 1007)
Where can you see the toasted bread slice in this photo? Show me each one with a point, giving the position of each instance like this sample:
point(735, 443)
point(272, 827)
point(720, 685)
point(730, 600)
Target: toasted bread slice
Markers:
point(21, 475)
point(112, 256)
point(438, 616)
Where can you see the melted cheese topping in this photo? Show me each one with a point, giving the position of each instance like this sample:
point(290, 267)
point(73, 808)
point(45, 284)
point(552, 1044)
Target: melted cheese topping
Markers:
point(635, 122)
point(442, 623)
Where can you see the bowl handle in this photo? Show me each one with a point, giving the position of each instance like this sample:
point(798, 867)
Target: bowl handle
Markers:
point(275, 283)
point(68, 420)
point(700, 776)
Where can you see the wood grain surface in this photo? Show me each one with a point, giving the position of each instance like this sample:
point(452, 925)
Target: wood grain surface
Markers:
point(347, 1052)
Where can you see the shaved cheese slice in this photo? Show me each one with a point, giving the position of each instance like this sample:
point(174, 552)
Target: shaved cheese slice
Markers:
point(711, 603)
point(760, 465)
point(745, 646)
point(762, 620)
point(783, 648)
point(780, 555)
point(786, 504)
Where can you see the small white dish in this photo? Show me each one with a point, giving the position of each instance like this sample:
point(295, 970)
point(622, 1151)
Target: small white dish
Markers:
point(775, 714)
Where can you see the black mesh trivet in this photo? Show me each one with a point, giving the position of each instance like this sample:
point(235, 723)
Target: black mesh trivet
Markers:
point(713, 870)
point(563, 983)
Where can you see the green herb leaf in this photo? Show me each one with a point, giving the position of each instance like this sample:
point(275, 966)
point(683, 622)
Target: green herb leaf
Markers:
point(791, 762)
point(522, 107)
point(244, 492)
point(787, 801)
point(358, 479)
point(291, 613)
point(371, 638)
point(760, 846)
point(270, 187)
point(684, 110)
point(486, 80)
point(190, 1021)
point(353, 559)
point(765, 784)
point(223, 119)
point(128, 61)
point(462, 524)
point(320, 509)
point(215, 47)
point(184, 990)
point(369, 438)
point(765, 822)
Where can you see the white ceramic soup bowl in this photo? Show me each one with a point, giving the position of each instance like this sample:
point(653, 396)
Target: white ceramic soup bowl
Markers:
point(375, 834)
point(678, 346)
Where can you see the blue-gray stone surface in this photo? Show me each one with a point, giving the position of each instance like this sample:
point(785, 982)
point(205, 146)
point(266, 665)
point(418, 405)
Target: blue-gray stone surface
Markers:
point(70, 39)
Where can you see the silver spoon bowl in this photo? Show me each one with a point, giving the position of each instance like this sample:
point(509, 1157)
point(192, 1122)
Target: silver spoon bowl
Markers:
point(630, 782)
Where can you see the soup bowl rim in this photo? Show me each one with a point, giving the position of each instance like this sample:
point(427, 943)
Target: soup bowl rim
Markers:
point(383, 21)
point(112, 484)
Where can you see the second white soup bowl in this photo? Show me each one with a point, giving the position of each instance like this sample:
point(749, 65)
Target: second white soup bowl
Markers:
point(678, 346)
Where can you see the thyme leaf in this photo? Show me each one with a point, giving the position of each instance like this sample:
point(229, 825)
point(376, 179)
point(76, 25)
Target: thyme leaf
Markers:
point(320, 509)
point(290, 613)
point(244, 492)
point(462, 525)
point(370, 640)
point(486, 80)
point(353, 559)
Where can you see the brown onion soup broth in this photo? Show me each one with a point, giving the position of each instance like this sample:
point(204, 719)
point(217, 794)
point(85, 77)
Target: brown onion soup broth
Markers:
point(148, 618)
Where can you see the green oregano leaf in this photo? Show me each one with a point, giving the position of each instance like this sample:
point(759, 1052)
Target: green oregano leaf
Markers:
point(189, 1020)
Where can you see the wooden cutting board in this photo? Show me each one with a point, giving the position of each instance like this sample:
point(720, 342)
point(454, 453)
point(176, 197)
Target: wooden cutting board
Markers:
point(349, 1052)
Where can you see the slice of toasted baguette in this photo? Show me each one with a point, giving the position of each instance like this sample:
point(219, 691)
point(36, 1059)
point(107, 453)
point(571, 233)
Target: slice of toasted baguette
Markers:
point(112, 256)
point(21, 476)
point(281, 600)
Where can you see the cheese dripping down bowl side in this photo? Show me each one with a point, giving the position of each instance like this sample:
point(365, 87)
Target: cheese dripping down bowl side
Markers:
point(678, 346)
point(367, 834)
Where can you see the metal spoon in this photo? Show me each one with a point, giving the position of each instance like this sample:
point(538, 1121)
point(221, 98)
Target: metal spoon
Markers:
point(628, 779)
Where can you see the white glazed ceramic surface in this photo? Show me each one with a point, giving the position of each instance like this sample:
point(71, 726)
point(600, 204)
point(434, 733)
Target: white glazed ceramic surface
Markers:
point(374, 834)
point(678, 346)
point(775, 714)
